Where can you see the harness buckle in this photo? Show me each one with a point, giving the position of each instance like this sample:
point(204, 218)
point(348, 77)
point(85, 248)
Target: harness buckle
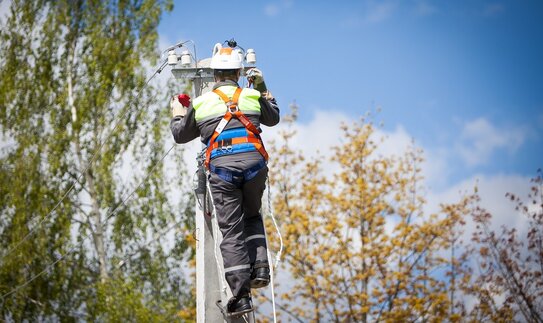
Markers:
point(232, 107)
point(226, 149)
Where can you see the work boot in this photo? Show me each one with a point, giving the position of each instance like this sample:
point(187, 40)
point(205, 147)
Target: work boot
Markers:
point(260, 275)
point(237, 306)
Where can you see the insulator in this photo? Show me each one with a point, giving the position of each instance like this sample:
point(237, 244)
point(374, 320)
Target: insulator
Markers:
point(172, 58)
point(186, 59)
point(251, 56)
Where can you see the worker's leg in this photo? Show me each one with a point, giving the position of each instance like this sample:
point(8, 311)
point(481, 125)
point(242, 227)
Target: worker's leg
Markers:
point(228, 201)
point(254, 226)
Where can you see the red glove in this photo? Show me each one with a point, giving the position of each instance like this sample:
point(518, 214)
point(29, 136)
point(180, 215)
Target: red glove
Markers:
point(184, 100)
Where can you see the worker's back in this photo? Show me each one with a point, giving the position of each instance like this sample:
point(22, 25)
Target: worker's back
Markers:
point(228, 121)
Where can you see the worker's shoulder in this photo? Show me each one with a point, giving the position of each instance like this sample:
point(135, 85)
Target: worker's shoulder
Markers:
point(202, 98)
point(251, 93)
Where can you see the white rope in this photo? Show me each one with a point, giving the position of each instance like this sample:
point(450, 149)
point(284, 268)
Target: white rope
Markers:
point(272, 290)
point(277, 256)
point(270, 214)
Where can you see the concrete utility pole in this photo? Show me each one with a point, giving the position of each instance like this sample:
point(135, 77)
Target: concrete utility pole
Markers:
point(211, 286)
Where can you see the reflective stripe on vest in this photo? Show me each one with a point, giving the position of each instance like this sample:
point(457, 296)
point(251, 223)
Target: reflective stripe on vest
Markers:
point(210, 106)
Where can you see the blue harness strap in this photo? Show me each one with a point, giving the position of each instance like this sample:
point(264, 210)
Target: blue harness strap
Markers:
point(225, 146)
point(237, 178)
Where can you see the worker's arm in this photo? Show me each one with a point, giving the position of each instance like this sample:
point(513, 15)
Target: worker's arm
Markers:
point(269, 111)
point(183, 123)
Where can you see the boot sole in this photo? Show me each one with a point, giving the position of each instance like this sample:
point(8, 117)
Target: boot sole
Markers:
point(240, 313)
point(259, 283)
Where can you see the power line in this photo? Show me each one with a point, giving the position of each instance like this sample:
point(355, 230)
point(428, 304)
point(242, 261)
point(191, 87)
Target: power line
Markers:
point(155, 238)
point(85, 236)
point(93, 158)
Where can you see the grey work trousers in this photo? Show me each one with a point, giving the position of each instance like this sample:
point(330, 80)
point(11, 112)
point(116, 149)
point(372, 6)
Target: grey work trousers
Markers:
point(240, 222)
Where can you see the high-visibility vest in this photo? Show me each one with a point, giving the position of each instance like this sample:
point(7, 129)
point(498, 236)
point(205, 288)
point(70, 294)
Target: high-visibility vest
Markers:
point(236, 140)
point(210, 106)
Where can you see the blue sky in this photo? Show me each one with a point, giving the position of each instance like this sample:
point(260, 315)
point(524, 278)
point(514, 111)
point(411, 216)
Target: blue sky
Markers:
point(463, 78)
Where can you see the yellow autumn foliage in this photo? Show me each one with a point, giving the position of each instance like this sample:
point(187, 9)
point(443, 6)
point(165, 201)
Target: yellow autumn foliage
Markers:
point(358, 243)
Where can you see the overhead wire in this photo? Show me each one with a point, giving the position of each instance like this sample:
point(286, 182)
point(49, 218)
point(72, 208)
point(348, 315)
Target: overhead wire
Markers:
point(155, 238)
point(85, 236)
point(62, 257)
point(89, 164)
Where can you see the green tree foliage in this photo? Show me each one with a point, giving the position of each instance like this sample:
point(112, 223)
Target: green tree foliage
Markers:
point(83, 132)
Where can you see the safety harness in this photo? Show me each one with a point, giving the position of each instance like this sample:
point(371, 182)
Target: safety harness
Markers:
point(251, 136)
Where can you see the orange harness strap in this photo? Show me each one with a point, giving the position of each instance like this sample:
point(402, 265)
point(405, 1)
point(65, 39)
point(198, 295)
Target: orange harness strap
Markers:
point(233, 111)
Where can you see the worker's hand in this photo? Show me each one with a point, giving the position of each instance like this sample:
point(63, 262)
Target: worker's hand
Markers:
point(184, 99)
point(267, 95)
point(179, 105)
point(255, 75)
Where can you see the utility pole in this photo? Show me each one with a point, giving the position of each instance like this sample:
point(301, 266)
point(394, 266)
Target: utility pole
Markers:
point(212, 290)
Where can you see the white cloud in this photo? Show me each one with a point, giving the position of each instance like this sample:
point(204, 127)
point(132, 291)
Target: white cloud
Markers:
point(493, 9)
point(275, 8)
point(288, 3)
point(492, 190)
point(479, 139)
point(314, 138)
point(424, 8)
point(378, 11)
point(435, 168)
point(319, 135)
point(374, 12)
point(4, 9)
point(396, 142)
point(271, 9)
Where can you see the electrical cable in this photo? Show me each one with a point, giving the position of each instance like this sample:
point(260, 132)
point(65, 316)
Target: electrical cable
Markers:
point(89, 164)
point(155, 238)
point(178, 45)
point(85, 236)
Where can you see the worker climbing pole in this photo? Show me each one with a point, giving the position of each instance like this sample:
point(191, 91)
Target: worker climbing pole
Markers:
point(231, 175)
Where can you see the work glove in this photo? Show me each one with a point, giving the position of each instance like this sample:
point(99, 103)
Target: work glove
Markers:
point(267, 95)
point(179, 105)
point(255, 76)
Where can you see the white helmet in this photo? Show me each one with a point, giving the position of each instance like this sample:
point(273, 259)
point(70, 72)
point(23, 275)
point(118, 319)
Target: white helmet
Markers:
point(226, 58)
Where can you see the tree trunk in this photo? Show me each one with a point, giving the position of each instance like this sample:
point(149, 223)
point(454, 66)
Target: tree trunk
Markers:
point(98, 228)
